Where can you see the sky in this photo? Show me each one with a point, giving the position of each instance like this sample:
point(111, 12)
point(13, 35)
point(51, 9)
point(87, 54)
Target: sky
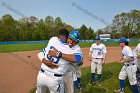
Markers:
point(93, 13)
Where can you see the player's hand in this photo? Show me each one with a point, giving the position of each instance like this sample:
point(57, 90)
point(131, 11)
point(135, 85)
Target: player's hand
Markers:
point(120, 61)
point(90, 58)
point(53, 52)
point(138, 56)
point(49, 63)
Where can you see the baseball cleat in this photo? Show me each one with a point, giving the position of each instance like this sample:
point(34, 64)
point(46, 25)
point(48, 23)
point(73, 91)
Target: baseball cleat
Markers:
point(99, 83)
point(119, 90)
point(92, 82)
point(78, 90)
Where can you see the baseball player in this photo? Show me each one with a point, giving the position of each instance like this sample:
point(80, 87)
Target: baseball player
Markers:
point(74, 71)
point(97, 57)
point(53, 78)
point(137, 58)
point(129, 69)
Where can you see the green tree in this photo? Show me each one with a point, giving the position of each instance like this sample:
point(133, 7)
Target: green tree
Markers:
point(49, 25)
point(7, 28)
point(83, 29)
point(58, 25)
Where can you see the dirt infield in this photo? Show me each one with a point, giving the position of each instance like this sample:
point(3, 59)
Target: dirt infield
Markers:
point(18, 70)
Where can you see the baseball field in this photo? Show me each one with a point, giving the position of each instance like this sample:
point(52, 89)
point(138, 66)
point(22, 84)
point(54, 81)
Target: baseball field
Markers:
point(20, 65)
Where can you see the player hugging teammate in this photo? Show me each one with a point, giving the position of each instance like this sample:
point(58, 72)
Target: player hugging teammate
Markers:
point(56, 59)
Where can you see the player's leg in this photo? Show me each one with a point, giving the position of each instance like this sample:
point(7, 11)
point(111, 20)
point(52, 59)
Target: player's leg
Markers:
point(78, 73)
point(78, 76)
point(93, 68)
point(68, 82)
point(131, 71)
point(41, 86)
point(99, 69)
point(55, 84)
point(122, 77)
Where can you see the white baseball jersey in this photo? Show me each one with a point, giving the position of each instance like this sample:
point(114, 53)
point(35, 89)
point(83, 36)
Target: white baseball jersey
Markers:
point(60, 46)
point(127, 53)
point(98, 50)
point(136, 56)
point(136, 49)
point(130, 68)
point(77, 51)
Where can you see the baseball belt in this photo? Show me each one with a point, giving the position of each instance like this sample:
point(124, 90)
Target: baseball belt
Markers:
point(130, 64)
point(57, 75)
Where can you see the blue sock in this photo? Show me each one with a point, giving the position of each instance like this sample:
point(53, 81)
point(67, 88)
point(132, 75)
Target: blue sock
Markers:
point(135, 88)
point(78, 79)
point(93, 76)
point(99, 77)
point(76, 84)
point(121, 84)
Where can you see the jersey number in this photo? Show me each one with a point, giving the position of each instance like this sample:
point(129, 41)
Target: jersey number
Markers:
point(51, 58)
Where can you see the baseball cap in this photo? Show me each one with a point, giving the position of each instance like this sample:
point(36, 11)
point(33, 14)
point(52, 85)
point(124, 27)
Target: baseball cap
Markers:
point(97, 38)
point(122, 40)
point(74, 35)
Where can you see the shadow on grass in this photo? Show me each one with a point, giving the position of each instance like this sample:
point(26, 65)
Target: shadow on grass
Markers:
point(92, 89)
point(106, 75)
point(86, 75)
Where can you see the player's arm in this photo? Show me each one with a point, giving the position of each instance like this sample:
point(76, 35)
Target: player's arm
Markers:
point(104, 54)
point(120, 60)
point(49, 63)
point(129, 59)
point(90, 55)
point(72, 57)
point(130, 56)
point(76, 57)
point(104, 58)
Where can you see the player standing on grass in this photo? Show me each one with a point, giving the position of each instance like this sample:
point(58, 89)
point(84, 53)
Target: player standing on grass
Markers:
point(97, 57)
point(129, 69)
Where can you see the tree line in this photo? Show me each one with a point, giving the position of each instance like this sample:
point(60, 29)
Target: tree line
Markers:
point(32, 28)
point(124, 24)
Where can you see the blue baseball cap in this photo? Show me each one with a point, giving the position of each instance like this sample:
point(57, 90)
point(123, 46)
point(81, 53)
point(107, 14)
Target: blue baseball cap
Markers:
point(97, 38)
point(74, 35)
point(122, 40)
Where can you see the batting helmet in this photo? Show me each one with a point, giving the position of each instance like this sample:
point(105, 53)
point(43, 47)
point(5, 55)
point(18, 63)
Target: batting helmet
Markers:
point(122, 40)
point(74, 35)
point(97, 38)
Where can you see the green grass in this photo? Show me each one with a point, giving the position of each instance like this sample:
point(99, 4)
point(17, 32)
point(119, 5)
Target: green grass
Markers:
point(29, 47)
point(21, 47)
point(109, 80)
